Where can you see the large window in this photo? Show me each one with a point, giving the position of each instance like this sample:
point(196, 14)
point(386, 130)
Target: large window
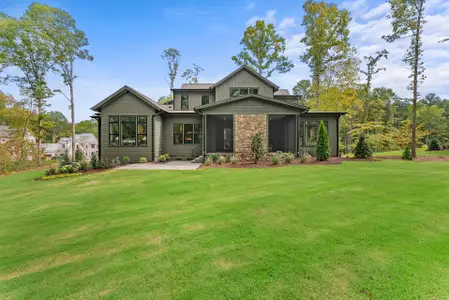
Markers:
point(184, 102)
point(204, 99)
point(187, 134)
point(127, 131)
point(241, 91)
point(309, 132)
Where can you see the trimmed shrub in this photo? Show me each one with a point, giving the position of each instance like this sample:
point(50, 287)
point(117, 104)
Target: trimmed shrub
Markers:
point(64, 159)
point(115, 162)
point(84, 166)
point(234, 159)
point(142, 160)
point(208, 161)
point(214, 157)
point(257, 146)
point(164, 158)
point(362, 150)
point(275, 159)
point(79, 155)
point(50, 172)
point(434, 145)
point(66, 169)
point(125, 160)
point(93, 161)
point(288, 157)
point(303, 159)
point(407, 154)
point(228, 158)
point(75, 167)
point(322, 145)
point(221, 160)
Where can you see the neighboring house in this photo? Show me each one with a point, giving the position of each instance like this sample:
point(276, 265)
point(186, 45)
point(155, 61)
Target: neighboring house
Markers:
point(6, 133)
point(86, 142)
point(209, 118)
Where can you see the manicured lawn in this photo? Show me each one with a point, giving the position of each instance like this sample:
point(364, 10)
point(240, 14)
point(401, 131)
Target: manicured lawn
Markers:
point(360, 230)
point(419, 152)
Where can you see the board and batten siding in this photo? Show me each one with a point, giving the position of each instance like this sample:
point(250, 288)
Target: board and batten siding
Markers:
point(157, 135)
point(126, 105)
point(242, 79)
point(332, 130)
point(194, 98)
point(181, 151)
point(251, 106)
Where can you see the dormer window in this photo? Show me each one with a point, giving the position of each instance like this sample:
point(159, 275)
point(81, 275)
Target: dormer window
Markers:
point(184, 102)
point(204, 99)
point(243, 91)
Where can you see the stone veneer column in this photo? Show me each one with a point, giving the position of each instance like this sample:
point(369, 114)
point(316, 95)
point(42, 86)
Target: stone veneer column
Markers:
point(244, 127)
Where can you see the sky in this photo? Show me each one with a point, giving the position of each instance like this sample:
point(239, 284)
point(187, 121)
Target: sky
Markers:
point(128, 38)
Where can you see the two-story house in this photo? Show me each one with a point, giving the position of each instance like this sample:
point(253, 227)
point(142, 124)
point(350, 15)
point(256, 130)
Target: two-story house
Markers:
point(86, 142)
point(209, 118)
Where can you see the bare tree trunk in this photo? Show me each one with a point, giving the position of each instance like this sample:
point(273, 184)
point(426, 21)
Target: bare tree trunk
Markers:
point(317, 92)
point(39, 131)
point(72, 108)
point(415, 82)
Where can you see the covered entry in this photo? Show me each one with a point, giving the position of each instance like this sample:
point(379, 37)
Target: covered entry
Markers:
point(220, 133)
point(281, 133)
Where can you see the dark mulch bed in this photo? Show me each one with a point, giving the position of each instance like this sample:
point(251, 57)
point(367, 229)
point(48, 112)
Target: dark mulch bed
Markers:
point(268, 164)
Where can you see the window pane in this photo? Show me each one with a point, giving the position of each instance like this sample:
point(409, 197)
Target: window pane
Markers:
point(113, 140)
point(177, 134)
point(141, 128)
point(113, 128)
point(198, 134)
point(142, 119)
point(113, 119)
point(204, 100)
point(184, 102)
point(188, 133)
point(142, 140)
point(234, 92)
point(128, 132)
point(254, 91)
point(243, 91)
point(128, 119)
point(177, 128)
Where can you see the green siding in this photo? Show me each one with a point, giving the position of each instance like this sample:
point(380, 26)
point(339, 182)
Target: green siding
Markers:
point(182, 151)
point(194, 98)
point(126, 105)
point(157, 135)
point(242, 79)
point(251, 106)
point(332, 130)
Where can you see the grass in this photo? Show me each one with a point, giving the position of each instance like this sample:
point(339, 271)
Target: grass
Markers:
point(419, 152)
point(360, 230)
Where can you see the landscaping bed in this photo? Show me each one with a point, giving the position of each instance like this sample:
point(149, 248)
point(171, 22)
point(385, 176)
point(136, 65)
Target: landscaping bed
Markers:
point(268, 164)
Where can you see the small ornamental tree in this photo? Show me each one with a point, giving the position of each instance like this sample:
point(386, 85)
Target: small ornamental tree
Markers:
point(79, 155)
point(257, 147)
point(362, 150)
point(322, 145)
point(434, 145)
point(407, 154)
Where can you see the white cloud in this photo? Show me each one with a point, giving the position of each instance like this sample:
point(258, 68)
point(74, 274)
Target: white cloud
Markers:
point(250, 6)
point(269, 18)
point(356, 7)
point(378, 11)
point(287, 22)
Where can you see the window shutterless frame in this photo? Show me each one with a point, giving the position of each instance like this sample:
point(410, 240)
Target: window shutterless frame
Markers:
point(194, 136)
point(242, 91)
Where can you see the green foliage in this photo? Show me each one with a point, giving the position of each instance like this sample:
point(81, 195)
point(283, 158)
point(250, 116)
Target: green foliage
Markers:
point(303, 89)
point(228, 158)
point(214, 157)
point(62, 175)
point(172, 55)
point(87, 126)
point(288, 157)
point(304, 158)
point(79, 155)
point(165, 99)
point(407, 154)
point(326, 39)
point(191, 75)
point(275, 159)
point(221, 160)
point(93, 161)
point(64, 159)
point(263, 50)
point(114, 162)
point(362, 150)
point(51, 171)
point(257, 146)
point(322, 145)
point(434, 145)
point(234, 159)
point(142, 160)
point(208, 161)
point(66, 169)
point(125, 160)
point(164, 158)
point(84, 166)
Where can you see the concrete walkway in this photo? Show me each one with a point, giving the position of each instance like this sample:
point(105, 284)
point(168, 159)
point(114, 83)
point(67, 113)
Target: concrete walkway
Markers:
point(171, 165)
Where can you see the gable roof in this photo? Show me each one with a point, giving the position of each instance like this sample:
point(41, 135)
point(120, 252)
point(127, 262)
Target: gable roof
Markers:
point(123, 90)
point(254, 73)
point(271, 100)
